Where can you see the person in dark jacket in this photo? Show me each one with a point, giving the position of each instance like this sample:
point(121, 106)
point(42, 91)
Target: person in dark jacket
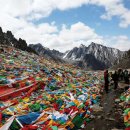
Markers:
point(122, 75)
point(115, 78)
point(106, 80)
point(126, 76)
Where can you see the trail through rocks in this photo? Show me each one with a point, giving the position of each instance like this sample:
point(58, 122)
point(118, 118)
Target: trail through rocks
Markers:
point(110, 117)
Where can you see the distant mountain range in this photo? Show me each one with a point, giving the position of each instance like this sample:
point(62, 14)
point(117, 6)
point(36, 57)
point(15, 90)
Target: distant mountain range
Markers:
point(94, 57)
point(46, 52)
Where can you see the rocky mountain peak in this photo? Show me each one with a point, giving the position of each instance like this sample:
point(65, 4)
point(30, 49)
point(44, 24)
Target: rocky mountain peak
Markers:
point(95, 45)
point(82, 46)
point(7, 38)
point(39, 44)
point(106, 56)
point(1, 30)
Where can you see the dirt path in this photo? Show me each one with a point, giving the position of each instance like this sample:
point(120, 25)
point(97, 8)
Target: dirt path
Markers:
point(110, 118)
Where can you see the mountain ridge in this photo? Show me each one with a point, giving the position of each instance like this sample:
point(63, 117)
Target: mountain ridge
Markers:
point(103, 54)
point(7, 38)
point(100, 55)
point(83, 56)
point(46, 52)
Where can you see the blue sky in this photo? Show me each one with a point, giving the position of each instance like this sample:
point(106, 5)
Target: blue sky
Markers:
point(64, 24)
point(90, 15)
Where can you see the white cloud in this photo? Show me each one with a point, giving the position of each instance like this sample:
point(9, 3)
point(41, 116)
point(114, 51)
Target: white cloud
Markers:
point(121, 42)
point(75, 35)
point(78, 31)
point(36, 34)
point(36, 9)
point(114, 8)
point(8, 22)
point(15, 7)
point(64, 39)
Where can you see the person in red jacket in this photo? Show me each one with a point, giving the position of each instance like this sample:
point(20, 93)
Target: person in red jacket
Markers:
point(106, 80)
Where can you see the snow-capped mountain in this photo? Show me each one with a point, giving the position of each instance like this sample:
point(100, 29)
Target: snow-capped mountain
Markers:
point(100, 55)
point(95, 56)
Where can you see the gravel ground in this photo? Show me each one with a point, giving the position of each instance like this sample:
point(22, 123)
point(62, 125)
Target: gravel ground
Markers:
point(110, 118)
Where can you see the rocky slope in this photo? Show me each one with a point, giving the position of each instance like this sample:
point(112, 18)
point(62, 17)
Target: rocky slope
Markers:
point(8, 39)
point(94, 56)
point(46, 52)
point(124, 62)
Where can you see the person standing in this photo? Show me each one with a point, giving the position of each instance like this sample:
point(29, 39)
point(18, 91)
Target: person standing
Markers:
point(106, 80)
point(126, 76)
point(122, 75)
point(115, 79)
